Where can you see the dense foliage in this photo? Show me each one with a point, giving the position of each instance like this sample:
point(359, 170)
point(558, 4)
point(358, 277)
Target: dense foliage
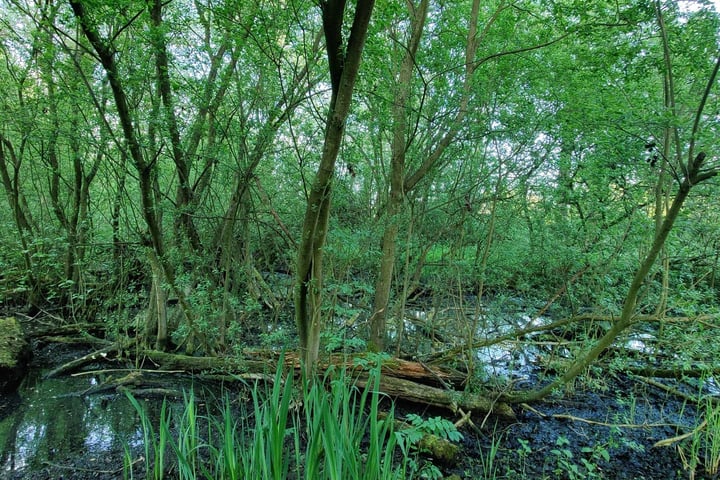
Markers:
point(157, 159)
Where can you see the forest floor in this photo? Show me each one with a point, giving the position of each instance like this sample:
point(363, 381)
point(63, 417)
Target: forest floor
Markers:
point(605, 432)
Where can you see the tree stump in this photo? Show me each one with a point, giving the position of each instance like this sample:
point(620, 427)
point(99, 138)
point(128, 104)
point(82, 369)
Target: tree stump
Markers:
point(15, 354)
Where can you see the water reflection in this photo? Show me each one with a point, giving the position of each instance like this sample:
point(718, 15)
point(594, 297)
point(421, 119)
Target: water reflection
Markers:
point(52, 422)
point(640, 342)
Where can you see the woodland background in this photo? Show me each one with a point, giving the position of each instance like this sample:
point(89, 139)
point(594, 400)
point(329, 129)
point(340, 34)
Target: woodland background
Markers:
point(162, 162)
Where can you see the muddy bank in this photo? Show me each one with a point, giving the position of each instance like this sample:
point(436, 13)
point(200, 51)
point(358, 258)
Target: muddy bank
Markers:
point(607, 434)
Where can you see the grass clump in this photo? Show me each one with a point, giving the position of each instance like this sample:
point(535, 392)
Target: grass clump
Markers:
point(702, 451)
point(321, 429)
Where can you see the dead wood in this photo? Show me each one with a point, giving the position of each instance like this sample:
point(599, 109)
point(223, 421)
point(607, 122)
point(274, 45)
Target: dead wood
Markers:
point(402, 379)
point(73, 365)
point(697, 371)
point(452, 400)
point(151, 392)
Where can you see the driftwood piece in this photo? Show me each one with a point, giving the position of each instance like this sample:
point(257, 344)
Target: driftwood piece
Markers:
point(151, 392)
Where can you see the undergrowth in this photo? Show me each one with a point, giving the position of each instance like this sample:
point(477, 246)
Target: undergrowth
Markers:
point(323, 429)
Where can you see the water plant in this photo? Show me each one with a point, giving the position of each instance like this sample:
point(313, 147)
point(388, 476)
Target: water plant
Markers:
point(702, 452)
point(327, 428)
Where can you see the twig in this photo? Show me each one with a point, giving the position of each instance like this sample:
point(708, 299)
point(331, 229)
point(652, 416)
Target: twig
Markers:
point(605, 424)
point(465, 418)
point(90, 357)
point(669, 441)
point(111, 370)
point(573, 418)
point(676, 392)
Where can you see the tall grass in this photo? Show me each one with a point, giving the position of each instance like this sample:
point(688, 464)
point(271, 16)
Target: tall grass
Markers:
point(703, 451)
point(324, 429)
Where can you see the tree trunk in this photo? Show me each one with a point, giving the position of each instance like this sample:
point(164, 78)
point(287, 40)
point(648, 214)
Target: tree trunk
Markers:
point(151, 213)
point(400, 183)
point(184, 196)
point(344, 63)
point(383, 283)
point(628, 310)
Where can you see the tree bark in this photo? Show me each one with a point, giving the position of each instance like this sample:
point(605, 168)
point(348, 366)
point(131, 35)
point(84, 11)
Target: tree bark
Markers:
point(344, 64)
point(383, 283)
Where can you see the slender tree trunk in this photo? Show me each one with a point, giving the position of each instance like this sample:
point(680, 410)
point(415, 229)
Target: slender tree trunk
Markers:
point(107, 55)
point(383, 283)
point(184, 196)
point(156, 322)
point(628, 310)
point(344, 64)
point(20, 212)
point(399, 147)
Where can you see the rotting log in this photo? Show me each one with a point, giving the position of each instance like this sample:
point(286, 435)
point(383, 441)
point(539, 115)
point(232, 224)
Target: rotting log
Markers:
point(264, 361)
point(427, 395)
point(401, 379)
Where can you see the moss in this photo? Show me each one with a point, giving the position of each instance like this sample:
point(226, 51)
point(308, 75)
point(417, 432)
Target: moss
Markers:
point(12, 342)
point(440, 449)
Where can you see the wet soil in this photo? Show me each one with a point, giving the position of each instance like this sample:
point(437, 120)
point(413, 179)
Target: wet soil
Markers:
point(605, 434)
point(602, 429)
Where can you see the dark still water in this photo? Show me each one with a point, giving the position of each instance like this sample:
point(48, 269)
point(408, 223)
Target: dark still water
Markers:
point(49, 425)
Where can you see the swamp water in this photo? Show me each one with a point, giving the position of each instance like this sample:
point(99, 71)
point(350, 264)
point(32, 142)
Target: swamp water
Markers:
point(48, 425)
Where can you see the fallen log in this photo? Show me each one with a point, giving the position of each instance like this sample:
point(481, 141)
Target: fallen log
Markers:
point(452, 400)
point(697, 371)
point(259, 361)
point(394, 367)
point(73, 365)
point(401, 379)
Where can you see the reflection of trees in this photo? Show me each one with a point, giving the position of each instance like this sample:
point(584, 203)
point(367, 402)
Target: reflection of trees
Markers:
point(54, 423)
point(9, 426)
